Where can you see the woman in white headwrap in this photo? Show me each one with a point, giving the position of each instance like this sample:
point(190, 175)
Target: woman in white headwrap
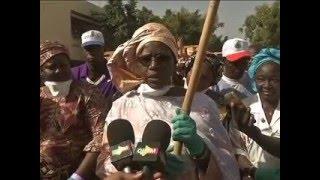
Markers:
point(142, 68)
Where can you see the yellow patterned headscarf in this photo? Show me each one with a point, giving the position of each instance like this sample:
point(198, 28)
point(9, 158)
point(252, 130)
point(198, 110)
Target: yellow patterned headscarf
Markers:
point(126, 72)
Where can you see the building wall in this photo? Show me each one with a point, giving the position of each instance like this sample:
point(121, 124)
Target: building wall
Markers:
point(55, 23)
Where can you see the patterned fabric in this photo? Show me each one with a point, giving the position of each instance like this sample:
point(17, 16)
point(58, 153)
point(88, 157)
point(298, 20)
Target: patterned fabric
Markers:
point(140, 110)
point(126, 72)
point(48, 49)
point(70, 128)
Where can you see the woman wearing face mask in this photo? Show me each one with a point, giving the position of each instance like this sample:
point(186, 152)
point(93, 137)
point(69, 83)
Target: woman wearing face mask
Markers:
point(71, 118)
point(142, 68)
point(259, 139)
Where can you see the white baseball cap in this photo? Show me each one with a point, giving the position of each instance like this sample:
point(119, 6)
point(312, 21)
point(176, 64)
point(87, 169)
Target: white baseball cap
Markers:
point(92, 37)
point(235, 49)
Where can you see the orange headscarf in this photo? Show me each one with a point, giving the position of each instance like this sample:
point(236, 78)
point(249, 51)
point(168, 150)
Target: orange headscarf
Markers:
point(48, 49)
point(125, 70)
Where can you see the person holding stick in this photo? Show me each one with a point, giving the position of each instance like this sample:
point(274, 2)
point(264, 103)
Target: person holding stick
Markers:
point(142, 68)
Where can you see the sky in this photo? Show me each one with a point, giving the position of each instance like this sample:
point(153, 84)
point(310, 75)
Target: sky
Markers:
point(232, 13)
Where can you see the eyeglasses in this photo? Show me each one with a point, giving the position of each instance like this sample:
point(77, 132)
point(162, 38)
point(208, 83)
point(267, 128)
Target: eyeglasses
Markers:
point(146, 60)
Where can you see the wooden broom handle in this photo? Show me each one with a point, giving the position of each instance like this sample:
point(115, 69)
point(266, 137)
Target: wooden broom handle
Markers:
point(196, 69)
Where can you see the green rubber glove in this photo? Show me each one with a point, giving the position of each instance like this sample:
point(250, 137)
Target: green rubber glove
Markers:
point(267, 174)
point(185, 130)
point(174, 165)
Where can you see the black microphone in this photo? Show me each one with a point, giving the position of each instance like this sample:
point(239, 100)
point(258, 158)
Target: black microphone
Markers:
point(121, 141)
point(150, 153)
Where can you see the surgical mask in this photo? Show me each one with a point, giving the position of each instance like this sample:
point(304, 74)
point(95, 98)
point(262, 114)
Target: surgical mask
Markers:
point(145, 89)
point(58, 89)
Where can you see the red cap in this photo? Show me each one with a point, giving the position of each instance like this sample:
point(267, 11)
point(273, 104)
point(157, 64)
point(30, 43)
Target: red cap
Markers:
point(239, 55)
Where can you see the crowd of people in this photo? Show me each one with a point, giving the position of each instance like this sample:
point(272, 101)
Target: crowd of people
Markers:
point(231, 133)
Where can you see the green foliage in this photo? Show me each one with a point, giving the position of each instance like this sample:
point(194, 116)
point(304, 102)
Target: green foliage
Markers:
point(188, 25)
point(263, 28)
point(120, 20)
point(216, 43)
point(185, 24)
point(145, 16)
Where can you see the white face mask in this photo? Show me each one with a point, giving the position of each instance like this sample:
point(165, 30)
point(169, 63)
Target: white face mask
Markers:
point(59, 89)
point(145, 89)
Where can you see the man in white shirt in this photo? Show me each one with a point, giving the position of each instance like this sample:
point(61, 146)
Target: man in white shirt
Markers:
point(237, 57)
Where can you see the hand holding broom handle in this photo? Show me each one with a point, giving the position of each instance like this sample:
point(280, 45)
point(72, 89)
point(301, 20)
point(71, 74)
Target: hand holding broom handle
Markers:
point(196, 70)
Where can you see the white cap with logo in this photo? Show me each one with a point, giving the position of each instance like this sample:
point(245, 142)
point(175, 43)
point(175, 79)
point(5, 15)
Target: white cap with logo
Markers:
point(92, 37)
point(235, 49)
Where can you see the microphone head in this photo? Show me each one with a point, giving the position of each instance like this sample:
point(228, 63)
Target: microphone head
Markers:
point(121, 139)
point(118, 131)
point(155, 140)
point(157, 131)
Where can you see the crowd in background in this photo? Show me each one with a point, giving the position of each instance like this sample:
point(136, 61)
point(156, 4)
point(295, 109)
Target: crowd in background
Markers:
point(232, 131)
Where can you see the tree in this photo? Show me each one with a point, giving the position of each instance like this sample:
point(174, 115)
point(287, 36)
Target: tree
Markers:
point(118, 21)
point(263, 27)
point(188, 26)
point(184, 24)
point(130, 11)
point(216, 43)
point(145, 16)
